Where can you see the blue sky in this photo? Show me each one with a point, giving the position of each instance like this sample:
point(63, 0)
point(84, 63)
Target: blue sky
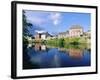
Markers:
point(55, 22)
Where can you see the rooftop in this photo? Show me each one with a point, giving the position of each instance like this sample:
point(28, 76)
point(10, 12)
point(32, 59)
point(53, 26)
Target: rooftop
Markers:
point(64, 32)
point(76, 27)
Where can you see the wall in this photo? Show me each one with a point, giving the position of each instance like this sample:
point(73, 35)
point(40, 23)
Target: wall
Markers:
point(5, 40)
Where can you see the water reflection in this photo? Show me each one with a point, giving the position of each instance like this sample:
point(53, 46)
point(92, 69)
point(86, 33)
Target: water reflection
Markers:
point(44, 56)
point(72, 52)
point(39, 47)
point(76, 53)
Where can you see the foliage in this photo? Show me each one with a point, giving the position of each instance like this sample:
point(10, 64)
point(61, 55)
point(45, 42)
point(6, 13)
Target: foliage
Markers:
point(65, 42)
point(61, 42)
point(26, 25)
point(25, 41)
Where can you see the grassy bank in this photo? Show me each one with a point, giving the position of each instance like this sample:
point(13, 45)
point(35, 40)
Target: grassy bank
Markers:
point(63, 42)
point(69, 43)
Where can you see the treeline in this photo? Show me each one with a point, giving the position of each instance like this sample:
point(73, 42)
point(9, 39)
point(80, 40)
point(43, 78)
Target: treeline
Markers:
point(68, 42)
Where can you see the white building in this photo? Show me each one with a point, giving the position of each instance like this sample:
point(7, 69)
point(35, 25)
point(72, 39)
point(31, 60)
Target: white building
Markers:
point(75, 31)
point(42, 35)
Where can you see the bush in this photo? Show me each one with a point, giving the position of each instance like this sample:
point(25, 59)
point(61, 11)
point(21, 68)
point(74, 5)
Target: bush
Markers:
point(25, 41)
point(61, 42)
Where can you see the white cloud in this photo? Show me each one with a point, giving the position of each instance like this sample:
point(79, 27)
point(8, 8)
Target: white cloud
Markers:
point(55, 17)
point(36, 20)
point(40, 31)
point(55, 22)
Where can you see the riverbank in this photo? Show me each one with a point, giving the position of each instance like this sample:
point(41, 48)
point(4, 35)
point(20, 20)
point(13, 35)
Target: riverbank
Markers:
point(63, 42)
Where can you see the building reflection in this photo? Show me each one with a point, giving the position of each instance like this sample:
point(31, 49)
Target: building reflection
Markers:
point(40, 47)
point(75, 53)
point(72, 52)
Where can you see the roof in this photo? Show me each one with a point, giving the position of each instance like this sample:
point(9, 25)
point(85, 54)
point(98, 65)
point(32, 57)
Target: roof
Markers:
point(76, 27)
point(62, 33)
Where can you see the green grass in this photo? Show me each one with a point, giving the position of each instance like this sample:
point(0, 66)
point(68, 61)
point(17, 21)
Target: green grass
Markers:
point(75, 42)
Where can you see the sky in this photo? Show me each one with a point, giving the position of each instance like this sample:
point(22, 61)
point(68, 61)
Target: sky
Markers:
point(55, 22)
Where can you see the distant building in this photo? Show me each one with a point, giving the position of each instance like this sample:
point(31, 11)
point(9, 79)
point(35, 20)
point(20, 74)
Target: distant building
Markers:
point(41, 35)
point(75, 31)
point(88, 33)
point(51, 37)
point(63, 34)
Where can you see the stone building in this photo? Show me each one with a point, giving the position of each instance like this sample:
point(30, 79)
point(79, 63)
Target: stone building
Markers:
point(63, 34)
point(75, 31)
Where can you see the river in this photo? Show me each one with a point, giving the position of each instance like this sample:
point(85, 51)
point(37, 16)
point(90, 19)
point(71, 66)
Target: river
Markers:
point(42, 56)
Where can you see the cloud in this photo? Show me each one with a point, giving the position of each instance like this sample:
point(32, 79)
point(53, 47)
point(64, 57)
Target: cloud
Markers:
point(40, 31)
point(36, 20)
point(55, 17)
point(55, 22)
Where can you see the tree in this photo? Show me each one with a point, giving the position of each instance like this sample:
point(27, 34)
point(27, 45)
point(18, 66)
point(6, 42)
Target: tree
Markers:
point(61, 42)
point(26, 25)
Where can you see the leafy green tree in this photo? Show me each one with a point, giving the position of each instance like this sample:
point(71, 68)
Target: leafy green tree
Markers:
point(74, 41)
point(61, 42)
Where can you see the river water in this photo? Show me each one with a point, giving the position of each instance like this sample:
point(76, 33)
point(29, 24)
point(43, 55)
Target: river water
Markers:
point(43, 56)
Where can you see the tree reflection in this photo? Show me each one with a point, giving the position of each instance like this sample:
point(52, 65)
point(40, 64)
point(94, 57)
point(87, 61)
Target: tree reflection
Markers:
point(45, 56)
